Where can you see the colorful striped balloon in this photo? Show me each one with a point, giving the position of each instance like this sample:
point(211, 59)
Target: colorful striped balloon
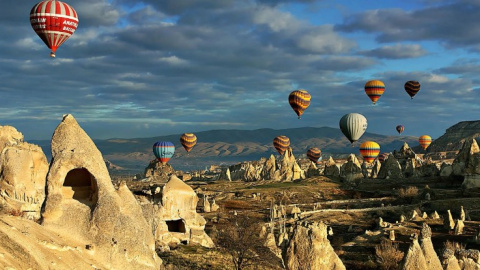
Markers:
point(188, 141)
point(382, 157)
point(374, 90)
point(54, 22)
point(425, 141)
point(299, 100)
point(281, 143)
point(369, 151)
point(314, 154)
point(412, 88)
point(400, 129)
point(163, 151)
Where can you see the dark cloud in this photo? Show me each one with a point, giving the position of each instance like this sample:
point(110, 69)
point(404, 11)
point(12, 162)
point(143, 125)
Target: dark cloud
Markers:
point(398, 51)
point(453, 23)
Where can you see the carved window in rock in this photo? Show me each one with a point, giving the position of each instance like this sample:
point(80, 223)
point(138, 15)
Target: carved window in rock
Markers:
point(80, 185)
point(176, 226)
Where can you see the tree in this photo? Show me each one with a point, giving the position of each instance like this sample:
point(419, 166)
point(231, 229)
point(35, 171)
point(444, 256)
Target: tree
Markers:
point(240, 238)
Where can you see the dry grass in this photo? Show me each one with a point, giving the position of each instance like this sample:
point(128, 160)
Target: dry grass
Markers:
point(408, 192)
point(388, 255)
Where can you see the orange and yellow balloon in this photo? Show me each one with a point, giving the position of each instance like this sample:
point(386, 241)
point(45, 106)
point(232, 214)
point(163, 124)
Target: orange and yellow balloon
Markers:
point(369, 151)
point(374, 90)
point(299, 100)
point(281, 143)
point(188, 141)
point(425, 141)
point(314, 154)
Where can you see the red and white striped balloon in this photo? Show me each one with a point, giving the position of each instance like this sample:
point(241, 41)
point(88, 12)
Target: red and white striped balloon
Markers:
point(54, 22)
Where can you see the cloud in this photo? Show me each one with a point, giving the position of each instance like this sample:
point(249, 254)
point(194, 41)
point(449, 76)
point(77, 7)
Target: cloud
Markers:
point(453, 23)
point(397, 51)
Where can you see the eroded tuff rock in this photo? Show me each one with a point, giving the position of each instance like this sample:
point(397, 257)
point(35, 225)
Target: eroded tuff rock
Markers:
point(83, 204)
point(331, 168)
point(159, 172)
point(390, 169)
point(431, 258)
point(23, 170)
point(176, 217)
point(309, 248)
point(351, 170)
point(415, 258)
point(467, 164)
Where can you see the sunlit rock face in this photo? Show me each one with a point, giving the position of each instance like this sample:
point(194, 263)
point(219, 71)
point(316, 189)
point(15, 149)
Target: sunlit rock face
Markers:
point(23, 169)
point(176, 219)
point(82, 203)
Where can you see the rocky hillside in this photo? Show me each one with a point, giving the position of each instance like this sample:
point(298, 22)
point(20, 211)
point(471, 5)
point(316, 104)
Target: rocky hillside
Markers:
point(231, 146)
point(454, 137)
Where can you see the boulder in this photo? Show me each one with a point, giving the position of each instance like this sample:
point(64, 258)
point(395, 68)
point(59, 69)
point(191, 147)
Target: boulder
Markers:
point(23, 172)
point(82, 203)
point(309, 248)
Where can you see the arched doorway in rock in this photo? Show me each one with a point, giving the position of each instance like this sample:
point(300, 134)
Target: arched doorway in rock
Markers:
point(81, 185)
point(176, 226)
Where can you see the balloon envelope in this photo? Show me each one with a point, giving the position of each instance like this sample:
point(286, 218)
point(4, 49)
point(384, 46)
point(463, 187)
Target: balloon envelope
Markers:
point(188, 141)
point(54, 22)
point(299, 100)
point(314, 154)
point(369, 151)
point(412, 88)
point(425, 141)
point(163, 151)
point(400, 129)
point(281, 143)
point(353, 125)
point(382, 157)
point(374, 90)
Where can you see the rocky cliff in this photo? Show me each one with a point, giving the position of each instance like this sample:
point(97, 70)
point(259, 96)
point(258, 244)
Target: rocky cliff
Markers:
point(455, 136)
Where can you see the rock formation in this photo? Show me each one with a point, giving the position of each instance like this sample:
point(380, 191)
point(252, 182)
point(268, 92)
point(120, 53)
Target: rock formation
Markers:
point(448, 222)
point(82, 203)
point(351, 170)
point(390, 169)
point(431, 258)
point(158, 172)
point(467, 164)
point(309, 248)
point(415, 258)
point(459, 227)
point(331, 168)
point(449, 261)
point(177, 219)
point(290, 170)
point(312, 170)
point(375, 168)
point(23, 170)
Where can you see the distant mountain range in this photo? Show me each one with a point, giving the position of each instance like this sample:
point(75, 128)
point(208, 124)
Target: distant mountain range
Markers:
point(231, 146)
point(455, 136)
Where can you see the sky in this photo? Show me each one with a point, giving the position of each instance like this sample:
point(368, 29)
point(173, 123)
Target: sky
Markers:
point(146, 68)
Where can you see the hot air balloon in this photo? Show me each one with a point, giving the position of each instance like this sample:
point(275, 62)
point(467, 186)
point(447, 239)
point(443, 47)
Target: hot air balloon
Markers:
point(369, 151)
point(353, 125)
point(425, 141)
point(412, 88)
point(382, 157)
point(281, 143)
point(374, 90)
point(400, 129)
point(163, 151)
point(299, 100)
point(54, 22)
point(314, 154)
point(188, 140)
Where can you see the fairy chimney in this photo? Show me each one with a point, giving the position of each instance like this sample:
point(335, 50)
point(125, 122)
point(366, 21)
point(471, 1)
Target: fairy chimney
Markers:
point(82, 203)
point(309, 248)
point(23, 169)
point(178, 221)
point(431, 258)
